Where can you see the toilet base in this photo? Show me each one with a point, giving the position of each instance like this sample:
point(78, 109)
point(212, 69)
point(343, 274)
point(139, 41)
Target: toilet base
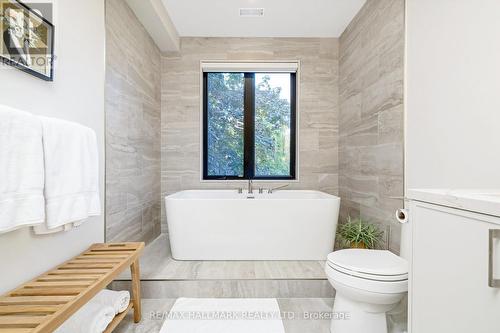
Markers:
point(359, 317)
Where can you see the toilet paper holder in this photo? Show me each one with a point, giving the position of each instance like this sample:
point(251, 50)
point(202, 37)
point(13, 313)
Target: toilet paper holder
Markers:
point(402, 215)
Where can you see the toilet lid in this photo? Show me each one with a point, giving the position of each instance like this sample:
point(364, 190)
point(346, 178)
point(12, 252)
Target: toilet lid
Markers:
point(374, 262)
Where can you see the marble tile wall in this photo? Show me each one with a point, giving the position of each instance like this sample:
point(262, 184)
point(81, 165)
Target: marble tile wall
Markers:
point(371, 114)
point(318, 107)
point(133, 102)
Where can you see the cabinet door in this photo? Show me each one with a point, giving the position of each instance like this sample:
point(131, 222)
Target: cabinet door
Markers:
point(449, 285)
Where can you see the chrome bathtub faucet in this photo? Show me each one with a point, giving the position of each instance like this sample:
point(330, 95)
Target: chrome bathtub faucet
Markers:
point(250, 186)
point(271, 190)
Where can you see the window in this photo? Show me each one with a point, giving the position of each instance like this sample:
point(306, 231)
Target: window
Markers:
point(249, 125)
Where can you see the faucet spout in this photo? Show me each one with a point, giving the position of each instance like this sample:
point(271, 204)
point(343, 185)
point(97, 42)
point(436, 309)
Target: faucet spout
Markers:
point(272, 190)
point(250, 186)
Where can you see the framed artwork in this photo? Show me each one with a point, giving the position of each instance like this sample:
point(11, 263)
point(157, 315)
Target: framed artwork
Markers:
point(26, 39)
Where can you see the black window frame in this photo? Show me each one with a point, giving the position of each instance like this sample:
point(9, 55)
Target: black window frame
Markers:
point(249, 131)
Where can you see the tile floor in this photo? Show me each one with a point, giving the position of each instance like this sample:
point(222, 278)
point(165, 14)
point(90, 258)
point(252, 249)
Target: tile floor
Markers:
point(300, 287)
point(296, 312)
point(163, 272)
point(157, 264)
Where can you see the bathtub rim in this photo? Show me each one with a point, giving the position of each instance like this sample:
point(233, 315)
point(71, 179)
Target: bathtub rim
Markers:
point(244, 196)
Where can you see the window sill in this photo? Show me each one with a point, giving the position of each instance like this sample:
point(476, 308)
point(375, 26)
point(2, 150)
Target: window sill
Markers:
point(256, 181)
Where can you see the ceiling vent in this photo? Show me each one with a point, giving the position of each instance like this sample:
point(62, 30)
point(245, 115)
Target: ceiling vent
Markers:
point(251, 12)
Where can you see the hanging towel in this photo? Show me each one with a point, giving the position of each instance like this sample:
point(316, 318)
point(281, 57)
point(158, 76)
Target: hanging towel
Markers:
point(118, 300)
point(71, 174)
point(91, 318)
point(21, 170)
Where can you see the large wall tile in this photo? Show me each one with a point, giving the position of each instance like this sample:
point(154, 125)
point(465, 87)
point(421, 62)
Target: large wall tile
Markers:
point(318, 107)
point(133, 99)
point(371, 115)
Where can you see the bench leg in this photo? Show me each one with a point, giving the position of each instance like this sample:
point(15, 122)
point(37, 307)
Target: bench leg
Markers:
point(136, 290)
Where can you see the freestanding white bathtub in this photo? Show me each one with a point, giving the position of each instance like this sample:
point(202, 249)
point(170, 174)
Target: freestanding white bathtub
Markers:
point(227, 225)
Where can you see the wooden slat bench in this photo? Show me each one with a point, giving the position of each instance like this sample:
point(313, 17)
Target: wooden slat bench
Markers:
point(43, 304)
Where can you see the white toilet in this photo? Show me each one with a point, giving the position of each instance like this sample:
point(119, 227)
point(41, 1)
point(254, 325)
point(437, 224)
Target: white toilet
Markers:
point(368, 284)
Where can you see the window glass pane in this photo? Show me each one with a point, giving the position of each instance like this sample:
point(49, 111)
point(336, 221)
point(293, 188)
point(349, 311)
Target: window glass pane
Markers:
point(272, 124)
point(225, 123)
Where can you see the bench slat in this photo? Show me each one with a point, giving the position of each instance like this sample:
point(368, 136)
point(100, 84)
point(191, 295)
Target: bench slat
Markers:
point(79, 271)
point(47, 291)
point(71, 277)
point(12, 309)
point(99, 254)
point(79, 265)
point(21, 321)
point(35, 300)
point(113, 247)
point(106, 260)
point(73, 283)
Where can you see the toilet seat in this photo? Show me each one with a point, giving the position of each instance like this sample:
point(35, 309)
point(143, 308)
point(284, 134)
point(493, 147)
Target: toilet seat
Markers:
point(370, 264)
point(367, 276)
point(370, 270)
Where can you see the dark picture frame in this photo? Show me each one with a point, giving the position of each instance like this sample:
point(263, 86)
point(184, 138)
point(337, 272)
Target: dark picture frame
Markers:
point(26, 40)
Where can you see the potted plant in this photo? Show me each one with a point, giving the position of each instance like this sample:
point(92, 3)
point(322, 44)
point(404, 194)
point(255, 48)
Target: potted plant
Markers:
point(359, 234)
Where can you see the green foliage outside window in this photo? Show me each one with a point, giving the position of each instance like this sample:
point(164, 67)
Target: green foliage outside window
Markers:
point(226, 125)
point(272, 130)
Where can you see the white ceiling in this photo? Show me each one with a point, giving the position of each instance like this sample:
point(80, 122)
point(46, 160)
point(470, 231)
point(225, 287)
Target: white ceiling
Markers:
point(282, 18)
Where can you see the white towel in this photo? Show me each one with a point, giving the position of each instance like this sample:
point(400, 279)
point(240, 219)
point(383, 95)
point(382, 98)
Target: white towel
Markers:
point(118, 300)
point(71, 174)
point(91, 318)
point(21, 170)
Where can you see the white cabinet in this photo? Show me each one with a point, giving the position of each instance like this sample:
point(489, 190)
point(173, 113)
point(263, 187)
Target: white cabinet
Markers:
point(449, 289)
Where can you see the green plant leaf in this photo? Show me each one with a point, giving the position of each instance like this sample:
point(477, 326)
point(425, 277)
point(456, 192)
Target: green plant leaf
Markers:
point(358, 230)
